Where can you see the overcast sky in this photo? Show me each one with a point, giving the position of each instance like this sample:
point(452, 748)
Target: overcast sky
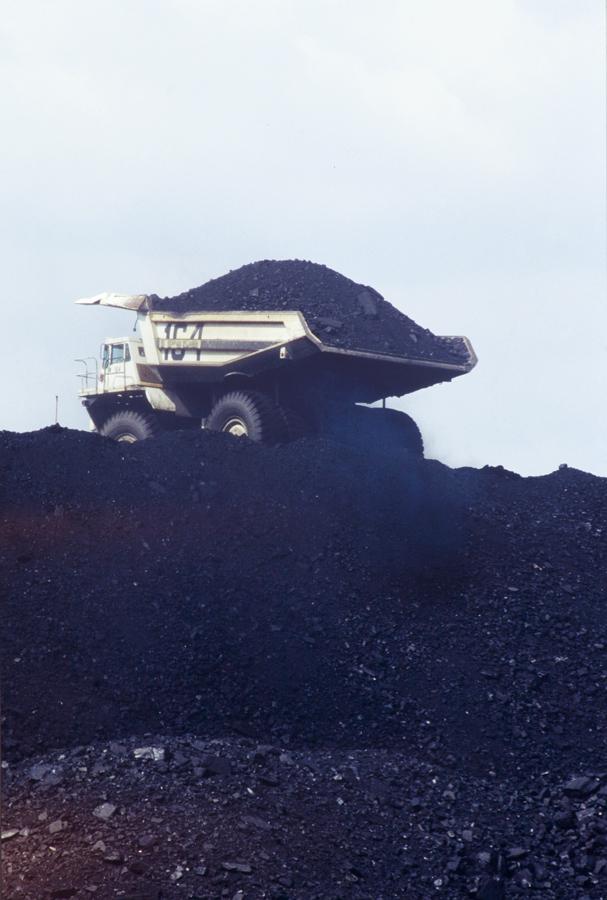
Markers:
point(452, 155)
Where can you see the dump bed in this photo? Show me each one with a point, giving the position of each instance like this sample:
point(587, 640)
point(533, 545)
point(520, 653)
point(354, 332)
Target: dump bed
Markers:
point(209, 347)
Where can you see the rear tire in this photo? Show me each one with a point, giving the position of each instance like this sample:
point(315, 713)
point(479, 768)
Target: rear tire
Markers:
point(400, 430)
point(129, 426)
point(248, 414)
point(375, 428)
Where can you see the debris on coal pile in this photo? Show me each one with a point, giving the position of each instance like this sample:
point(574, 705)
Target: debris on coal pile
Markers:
point(334, 675)
point(329, 823)
point(340, 312)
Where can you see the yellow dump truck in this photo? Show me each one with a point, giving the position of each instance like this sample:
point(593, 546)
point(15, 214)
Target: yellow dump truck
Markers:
point(263, 375)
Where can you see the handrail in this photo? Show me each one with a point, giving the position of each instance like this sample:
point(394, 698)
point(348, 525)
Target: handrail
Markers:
point(87, 376)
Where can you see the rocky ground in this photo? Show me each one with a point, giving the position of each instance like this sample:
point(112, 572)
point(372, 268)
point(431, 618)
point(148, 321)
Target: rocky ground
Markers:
point(304, 671)
point(341, 312)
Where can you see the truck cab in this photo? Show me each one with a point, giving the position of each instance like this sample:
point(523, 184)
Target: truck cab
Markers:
point(118, 364)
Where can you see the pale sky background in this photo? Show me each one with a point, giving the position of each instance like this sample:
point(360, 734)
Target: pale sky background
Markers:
point(452, 155)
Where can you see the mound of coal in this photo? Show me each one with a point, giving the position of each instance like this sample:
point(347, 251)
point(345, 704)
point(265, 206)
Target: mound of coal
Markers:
point(340, 312)
point(403, 665)
point(199, 579)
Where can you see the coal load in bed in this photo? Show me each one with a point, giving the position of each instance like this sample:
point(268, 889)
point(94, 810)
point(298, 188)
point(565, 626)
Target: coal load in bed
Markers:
point(340, 312)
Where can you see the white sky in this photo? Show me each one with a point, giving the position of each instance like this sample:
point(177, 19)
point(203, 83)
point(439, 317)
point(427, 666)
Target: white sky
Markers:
point(452, 155)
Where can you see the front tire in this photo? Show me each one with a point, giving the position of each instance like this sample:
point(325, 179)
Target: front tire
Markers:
point(129, 426)
point(248, 414)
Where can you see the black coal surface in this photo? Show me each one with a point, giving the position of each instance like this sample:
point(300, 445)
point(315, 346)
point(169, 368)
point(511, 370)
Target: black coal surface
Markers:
point(350, 675)
point(339, 311)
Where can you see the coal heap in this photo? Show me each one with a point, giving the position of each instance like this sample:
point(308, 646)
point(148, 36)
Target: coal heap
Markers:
point(340, 312)
point(305, 671)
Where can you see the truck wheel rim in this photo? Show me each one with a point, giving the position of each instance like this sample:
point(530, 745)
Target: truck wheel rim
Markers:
point(236, 427)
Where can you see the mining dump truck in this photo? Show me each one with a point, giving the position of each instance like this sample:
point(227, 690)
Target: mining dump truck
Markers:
point(263, 375)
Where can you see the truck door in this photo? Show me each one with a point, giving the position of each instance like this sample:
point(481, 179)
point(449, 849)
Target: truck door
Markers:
point(114, 366)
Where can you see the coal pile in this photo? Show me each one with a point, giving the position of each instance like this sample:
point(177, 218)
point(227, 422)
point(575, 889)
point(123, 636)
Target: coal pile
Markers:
point(210, 568)
point(304, 671)
point(340, 312)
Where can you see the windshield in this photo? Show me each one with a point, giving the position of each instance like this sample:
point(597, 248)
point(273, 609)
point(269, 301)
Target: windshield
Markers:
point(114, 353)
point(117, 353)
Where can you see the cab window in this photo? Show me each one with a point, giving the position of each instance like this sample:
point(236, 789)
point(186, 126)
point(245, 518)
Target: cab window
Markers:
point(117, 353)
